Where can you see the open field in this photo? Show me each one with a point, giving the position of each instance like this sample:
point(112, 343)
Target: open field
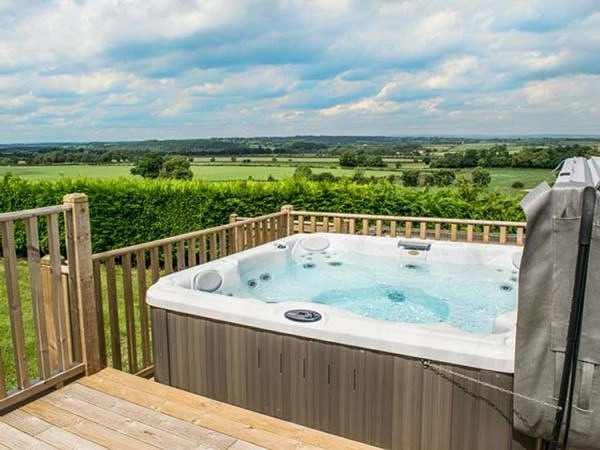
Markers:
point(502, 178)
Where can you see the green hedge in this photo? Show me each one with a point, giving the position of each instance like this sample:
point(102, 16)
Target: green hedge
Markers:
point(128, 211)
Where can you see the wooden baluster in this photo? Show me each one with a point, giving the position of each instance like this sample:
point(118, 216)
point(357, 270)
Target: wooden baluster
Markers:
point(202, 257)
point(98, 294)
point(271, 230)
point(2, 377)
point(438, 231)
point(486, 233)
point(408, 229)
point(365, 227)
point(113, 313)
point(351, 226)
point(469, 233)
point(259, 232)
point(180, 255)
point(453, 231)
point(337, 225)
point(140, 260)
point(168, 256)
point(313, 224)
point(378, 227)
point(58, 300)
point(393, 228)
point(223, 244)
point(287, 220)
point(240, 237)
point(502, 238)
point(423, 230)
point(300, 224)
point(325, 228)
point(14, 300)
point(213, 246)
point(37, 300)
point(520, 234)
point(235, 234)
point(154, 264)
point(129, 314)
point(70, 295)
point(191, 245)
point(245, 232)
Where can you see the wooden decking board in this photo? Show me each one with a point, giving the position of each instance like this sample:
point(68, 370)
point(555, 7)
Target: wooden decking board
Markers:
point(205, 405)
point(116, 422)
point(178, 408)
point(84, 428)
point(13, 438)
point(46, 432)
point(149, 417)
point(112, 409)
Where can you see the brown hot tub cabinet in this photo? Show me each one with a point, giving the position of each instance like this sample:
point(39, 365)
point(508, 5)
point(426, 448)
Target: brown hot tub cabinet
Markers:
point(383, 399)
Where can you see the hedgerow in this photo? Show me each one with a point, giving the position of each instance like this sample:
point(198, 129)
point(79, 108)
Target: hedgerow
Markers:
point(128, 211)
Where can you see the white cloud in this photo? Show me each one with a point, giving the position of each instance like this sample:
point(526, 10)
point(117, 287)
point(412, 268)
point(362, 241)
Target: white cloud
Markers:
point(160, 67)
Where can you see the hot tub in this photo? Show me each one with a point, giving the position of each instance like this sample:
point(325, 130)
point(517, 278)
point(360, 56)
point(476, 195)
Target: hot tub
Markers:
point(356, 335)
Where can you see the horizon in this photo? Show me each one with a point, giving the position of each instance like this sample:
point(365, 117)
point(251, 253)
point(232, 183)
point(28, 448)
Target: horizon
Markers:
point(300, 137)
point(91, 71)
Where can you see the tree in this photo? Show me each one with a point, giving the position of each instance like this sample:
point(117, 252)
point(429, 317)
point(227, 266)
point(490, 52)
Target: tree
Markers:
point(304, 172)
point(481, 177)
point(410, 178)
point(348, 159)
point(374, 161)
point(443, 177)
point(148, 166)
point(324, 176)
point(177, 167)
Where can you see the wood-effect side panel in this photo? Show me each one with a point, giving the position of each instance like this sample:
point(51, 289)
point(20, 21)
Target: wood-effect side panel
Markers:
point(387, 400)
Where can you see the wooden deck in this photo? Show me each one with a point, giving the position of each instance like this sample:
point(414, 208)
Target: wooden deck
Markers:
point(112, 409)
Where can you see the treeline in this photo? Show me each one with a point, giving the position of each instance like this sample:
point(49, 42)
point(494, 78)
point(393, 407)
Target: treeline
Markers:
point(129, 152)
point(499, 156)
point(125, 212)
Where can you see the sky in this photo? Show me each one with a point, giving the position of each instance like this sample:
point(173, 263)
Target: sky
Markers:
point(79, 70)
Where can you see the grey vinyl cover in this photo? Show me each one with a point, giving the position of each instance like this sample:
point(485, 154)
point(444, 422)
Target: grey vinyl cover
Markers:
point(546, 281)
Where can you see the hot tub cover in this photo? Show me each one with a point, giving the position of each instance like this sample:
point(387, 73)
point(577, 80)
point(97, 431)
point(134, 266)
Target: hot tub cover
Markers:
point(545, 292)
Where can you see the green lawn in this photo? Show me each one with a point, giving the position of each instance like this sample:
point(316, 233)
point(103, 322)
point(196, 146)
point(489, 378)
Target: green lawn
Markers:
point(206, 172)
point(502, 178)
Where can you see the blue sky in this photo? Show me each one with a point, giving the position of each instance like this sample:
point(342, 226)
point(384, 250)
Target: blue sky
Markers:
point(126, 69)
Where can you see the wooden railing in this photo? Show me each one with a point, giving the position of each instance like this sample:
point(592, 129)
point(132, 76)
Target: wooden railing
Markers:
point(53, 339)
point(90, 311)
point(486, 231)
point(123, 275)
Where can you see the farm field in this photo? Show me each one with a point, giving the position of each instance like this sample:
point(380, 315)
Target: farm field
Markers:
point(208, 173)
point(502, 178)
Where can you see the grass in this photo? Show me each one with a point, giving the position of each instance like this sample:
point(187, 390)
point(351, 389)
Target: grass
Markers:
point(204, 172)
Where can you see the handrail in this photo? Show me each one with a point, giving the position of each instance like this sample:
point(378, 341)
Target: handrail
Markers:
point(36, 212)
point(180, 237)
point(412, 218)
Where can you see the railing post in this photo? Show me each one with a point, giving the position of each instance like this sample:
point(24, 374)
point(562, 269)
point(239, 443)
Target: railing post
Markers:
point(234, 247)
point(289, 224)
point(81, 263)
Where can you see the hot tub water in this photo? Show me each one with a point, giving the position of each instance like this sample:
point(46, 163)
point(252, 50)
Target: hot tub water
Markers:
point(466, 296)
